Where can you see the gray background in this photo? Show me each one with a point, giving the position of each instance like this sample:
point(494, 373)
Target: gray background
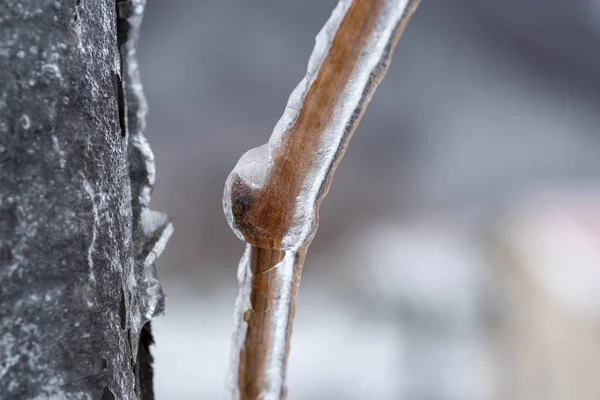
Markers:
point(484, 101)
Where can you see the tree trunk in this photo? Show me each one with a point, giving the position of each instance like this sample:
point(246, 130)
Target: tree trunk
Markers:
point(78, 243)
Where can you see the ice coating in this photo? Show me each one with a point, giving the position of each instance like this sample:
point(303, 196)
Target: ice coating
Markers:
point(272, 196)
point(240, 326)
point(151, 229)
point(251, 320)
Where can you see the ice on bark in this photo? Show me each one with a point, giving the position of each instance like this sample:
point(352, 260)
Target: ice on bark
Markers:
point(151, 229)
point(76, 259)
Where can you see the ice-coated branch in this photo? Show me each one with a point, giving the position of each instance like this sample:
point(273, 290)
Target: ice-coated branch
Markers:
point(272, 196)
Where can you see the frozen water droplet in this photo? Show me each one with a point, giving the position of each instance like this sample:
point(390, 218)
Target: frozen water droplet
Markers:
point(25, 121)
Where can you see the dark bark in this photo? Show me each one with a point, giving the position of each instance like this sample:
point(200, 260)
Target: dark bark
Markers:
point(78, 283)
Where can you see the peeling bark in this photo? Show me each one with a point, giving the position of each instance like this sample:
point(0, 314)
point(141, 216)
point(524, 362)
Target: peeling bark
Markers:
point(78, 243)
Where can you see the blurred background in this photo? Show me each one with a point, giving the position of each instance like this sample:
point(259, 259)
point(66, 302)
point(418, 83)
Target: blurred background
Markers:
point(458, 254)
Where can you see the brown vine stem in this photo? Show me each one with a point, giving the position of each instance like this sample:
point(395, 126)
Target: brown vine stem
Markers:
point(273, 194)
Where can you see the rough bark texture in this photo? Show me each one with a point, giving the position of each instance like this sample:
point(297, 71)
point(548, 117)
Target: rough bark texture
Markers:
point(77, 241)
